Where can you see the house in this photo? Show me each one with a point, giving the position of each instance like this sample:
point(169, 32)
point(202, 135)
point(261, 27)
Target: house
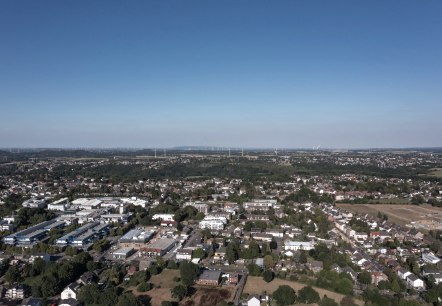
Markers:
point(377, 276)
point(31, 302)
point(233, 278)
point(220, 254)
point(414, 281)
point(70, 292)
point(16, 292)
point(184, 254)
point(430, 258)
point(70, 302)
point(298, 245)
point(403, 274)
point(210, 278)
point(253, 302)
point(87, 278)
point(315, 266)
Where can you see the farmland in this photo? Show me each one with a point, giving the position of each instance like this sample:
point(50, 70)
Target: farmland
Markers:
point(424, 216)
point(256, 285)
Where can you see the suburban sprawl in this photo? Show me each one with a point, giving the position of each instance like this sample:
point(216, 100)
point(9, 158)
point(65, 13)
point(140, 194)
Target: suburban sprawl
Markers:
point(220, 226)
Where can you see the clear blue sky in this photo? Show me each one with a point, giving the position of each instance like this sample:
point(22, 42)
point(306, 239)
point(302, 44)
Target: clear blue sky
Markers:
point(338, 74)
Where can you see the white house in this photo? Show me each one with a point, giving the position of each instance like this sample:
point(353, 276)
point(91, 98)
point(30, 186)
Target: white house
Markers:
point(403, 274)
point(70, 292)
point(414, 281)
point(253, 302)
point(184, 254)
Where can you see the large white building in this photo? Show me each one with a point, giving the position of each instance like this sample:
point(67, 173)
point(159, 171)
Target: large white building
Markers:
point(298, 245)
point(213, 222)
point(430, 258)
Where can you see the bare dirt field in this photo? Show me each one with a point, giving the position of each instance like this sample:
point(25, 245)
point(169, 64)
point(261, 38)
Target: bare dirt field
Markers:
point(256, 285)
point(162, 284)
point(400, 214)
point(209, 296)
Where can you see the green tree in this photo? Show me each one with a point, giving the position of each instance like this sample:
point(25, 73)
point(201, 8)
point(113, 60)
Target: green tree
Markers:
point(326, 301)
point(302, 257)
point(232, 251)
point(144, 286)
point(308, 295)
point(188, 272)
point(179, 292)
point(268, 276)
point(126, 299)
point(284, 295)
point(268, 262)
point(344, 286)
point(254, 269)
point(13, 274)
point(364, 277)
point(395, 287)
point(198, 253)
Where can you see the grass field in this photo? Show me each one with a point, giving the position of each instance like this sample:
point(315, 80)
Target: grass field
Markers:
point(399, 214)
point(437, 172)
point(162, 284)
point(256, 285)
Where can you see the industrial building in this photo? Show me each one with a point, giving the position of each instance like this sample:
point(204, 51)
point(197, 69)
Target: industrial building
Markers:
point(85, 234)
point(158, 248)
point(33, 233)
point(136, 238)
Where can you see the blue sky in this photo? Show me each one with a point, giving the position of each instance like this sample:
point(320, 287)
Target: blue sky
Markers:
point(340, 74)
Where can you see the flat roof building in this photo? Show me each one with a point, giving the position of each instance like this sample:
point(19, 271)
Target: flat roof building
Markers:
point(158, 247)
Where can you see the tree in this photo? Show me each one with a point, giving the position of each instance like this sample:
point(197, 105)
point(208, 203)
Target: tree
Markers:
point(127, 298)
point(268, 276)
point(384, 285)
point(302, 257)
point(166, 303)
point(347, 301)
point(179, 291)
point(395, 287)
point(198, 253)
point(326, 301)
point(308, 295)
point(12, 275)
point(284, 295)
point(171, 264)
point(364, 277)
point(232, 251)
point(344, 286)
point(254, 269)
point(144, 286)
point(268, 262)
point(273, 244)
point(188, 272)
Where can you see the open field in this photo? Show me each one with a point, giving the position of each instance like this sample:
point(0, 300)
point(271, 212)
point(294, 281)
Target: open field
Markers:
point(437, 172)
point(162, 284)
point(256, 285)
point(425, 216)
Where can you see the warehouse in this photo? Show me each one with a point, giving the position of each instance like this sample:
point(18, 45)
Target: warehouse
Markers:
point(158, 248)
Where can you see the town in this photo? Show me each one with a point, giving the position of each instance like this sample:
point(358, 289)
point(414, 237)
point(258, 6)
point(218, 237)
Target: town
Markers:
point(148, 230)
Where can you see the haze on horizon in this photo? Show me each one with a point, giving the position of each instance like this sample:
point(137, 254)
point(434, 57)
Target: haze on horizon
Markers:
point(293, 74)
